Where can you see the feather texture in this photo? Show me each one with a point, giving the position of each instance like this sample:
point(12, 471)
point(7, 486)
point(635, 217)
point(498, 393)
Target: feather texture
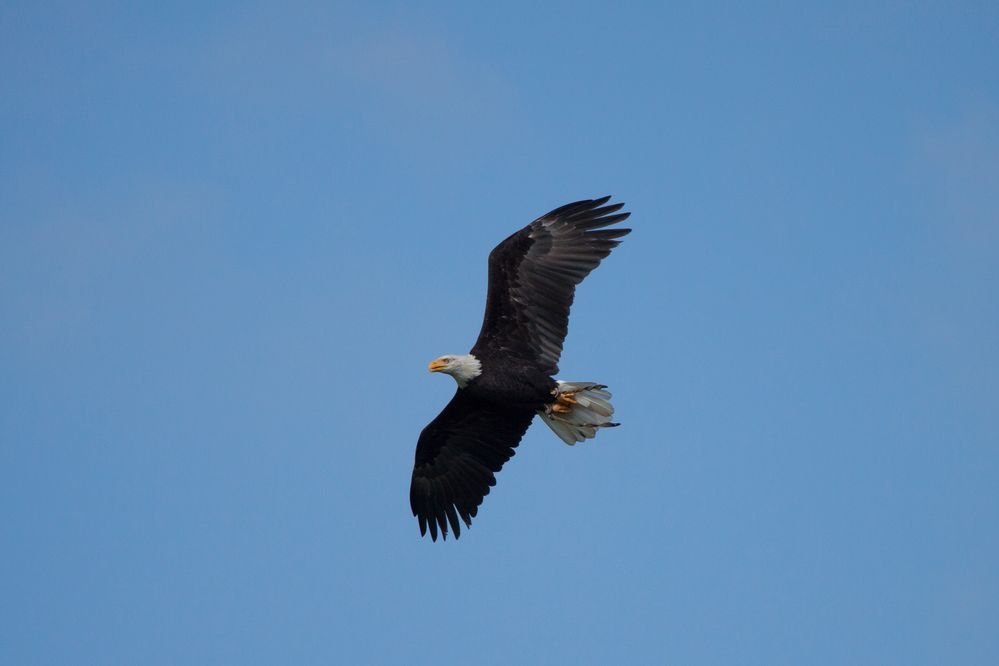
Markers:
point(457, 457)
point(533, 276)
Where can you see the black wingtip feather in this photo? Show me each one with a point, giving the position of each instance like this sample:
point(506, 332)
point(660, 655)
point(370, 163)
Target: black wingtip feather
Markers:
point(576, 207)
point(607, 210)
point(432, 524)
point(610, 234)
point(614, 219)
point(595, 213)
point(452, 518)
point(466, 515)
point(586, 220)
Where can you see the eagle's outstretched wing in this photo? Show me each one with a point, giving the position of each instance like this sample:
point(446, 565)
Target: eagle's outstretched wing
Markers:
point(533, 276)
point(457, 456)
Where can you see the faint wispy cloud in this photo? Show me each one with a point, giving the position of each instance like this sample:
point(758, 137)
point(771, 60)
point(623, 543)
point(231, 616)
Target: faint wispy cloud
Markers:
point(400, 74)
point(423, 72)
point(957, 174)
point(959, 165)
point(62, 269)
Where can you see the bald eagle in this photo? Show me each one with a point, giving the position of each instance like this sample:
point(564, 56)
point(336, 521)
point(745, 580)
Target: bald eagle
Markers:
point(507, 377)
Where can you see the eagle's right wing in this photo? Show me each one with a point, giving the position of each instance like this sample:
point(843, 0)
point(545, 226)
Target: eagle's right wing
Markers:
point(457, 457)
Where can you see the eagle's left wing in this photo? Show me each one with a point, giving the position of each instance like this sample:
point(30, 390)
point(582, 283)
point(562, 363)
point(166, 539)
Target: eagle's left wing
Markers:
point(533, 276)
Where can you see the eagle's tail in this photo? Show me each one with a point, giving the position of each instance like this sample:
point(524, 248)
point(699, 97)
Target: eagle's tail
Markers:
point(578, 411)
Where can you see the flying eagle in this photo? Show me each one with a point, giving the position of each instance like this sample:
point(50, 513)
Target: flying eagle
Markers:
point(507, 377)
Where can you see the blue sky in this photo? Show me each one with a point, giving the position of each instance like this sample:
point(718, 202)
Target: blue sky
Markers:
point(232, 236)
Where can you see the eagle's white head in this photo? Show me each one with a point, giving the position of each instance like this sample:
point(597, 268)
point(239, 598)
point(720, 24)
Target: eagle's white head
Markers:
point(463, 367)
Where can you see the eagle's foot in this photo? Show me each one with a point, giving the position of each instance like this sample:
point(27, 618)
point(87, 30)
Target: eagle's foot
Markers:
point(560, 408)
point(563, 403)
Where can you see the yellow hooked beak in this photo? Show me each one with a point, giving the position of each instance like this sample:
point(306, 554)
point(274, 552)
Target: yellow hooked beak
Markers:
point(436, 365)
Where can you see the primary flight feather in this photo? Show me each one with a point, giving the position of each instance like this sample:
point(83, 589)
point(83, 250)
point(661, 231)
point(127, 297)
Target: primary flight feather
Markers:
point(507, 377)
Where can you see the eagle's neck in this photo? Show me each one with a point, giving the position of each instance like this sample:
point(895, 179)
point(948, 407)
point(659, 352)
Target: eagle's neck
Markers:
point(464, 369)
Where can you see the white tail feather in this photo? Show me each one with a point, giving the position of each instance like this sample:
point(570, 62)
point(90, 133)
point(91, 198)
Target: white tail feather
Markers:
point(591, 411)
